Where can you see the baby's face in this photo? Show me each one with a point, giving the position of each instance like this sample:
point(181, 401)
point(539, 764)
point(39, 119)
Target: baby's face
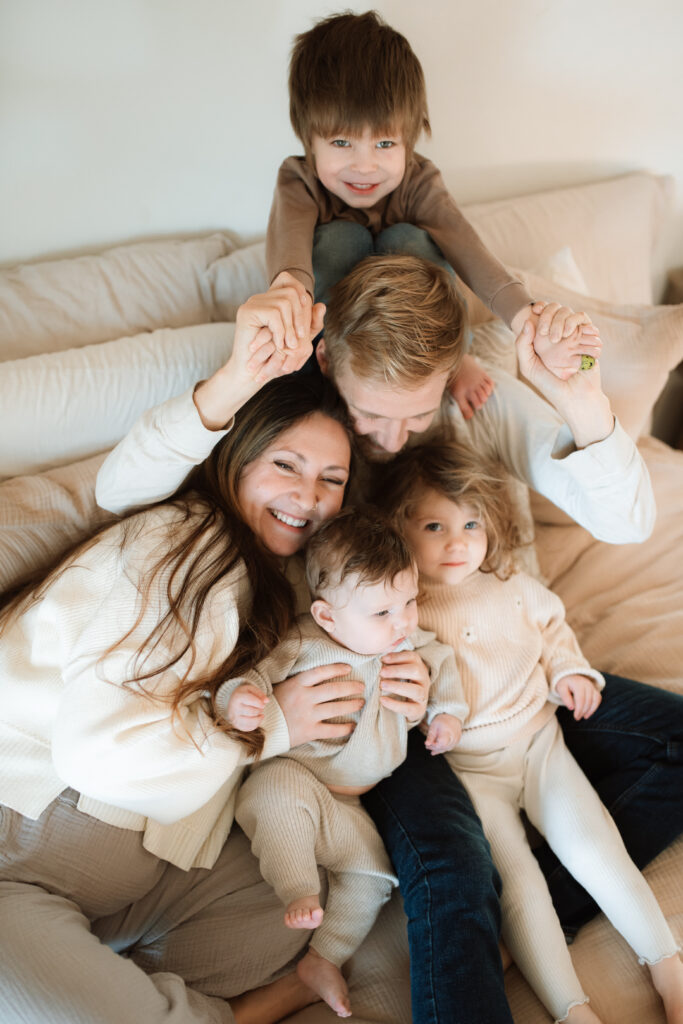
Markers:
point(374, 618)
point(448, 541)
point(360, 169)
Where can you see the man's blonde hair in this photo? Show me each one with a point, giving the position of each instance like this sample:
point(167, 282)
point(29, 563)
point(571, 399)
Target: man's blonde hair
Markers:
point(395, 319)
point(352, 71)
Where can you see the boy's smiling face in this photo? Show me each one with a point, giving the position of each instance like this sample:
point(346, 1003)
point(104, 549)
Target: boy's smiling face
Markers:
point(360, 169)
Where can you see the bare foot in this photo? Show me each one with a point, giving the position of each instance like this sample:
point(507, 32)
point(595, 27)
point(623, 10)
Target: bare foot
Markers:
point(471, 388)
point(327, 980)
point(273, 1002)
point(304, 913)
point(583, 1015)
point(667, 978)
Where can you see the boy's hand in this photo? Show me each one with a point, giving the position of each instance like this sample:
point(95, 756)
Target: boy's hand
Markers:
point(579, 694)
point(471, 387)
point(406, 677)
point(245, 708)
point(553, 320)
point(274, 347)
point(443, 733)
point(302, 310)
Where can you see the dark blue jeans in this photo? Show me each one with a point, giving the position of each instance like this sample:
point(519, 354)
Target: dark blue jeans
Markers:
point(632, 751)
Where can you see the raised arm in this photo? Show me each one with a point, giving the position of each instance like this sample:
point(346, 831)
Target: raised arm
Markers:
point(568, 447)
point(155, 457)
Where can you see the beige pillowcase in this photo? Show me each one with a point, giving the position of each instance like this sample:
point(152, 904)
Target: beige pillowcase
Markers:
point(641, 345)
point(612, 227)
point(63, 406)
point(62, 304)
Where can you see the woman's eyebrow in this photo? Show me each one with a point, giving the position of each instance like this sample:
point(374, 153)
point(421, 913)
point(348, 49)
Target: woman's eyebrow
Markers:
point(302, 458)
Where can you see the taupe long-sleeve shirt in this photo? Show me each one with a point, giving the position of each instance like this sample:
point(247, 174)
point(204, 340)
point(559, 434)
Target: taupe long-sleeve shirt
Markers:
point(378, 744)
point(301, 202)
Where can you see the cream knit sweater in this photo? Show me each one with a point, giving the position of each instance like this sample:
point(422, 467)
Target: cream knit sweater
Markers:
point(67, 720)
point(512, 646)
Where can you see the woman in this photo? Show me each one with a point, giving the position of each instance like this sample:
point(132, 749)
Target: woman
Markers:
point(118, 771)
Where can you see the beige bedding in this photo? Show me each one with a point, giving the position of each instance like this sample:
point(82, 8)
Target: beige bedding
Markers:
point(625, 603)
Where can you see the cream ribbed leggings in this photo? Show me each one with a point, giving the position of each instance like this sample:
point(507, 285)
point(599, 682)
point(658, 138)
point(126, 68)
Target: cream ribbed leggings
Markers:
point(296, 824)
point(541, 776)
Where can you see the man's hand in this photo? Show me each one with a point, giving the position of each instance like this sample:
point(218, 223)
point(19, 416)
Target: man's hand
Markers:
point(404, 684)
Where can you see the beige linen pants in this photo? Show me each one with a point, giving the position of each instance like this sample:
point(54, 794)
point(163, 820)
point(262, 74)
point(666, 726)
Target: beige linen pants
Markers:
point(541, 776)
point(296, 824)
point(75, 892)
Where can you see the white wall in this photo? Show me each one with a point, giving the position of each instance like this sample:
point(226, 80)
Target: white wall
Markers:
point(127, 119)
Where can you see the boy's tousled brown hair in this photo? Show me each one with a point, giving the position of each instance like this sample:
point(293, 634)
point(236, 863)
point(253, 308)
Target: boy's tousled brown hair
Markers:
point(352, 71)
point(395, 319)
point(462, 476)
point(359, 541)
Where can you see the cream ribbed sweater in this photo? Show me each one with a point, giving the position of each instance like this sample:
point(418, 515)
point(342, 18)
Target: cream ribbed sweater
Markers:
point(66, 720)
point(512, 646)
point(378, 744)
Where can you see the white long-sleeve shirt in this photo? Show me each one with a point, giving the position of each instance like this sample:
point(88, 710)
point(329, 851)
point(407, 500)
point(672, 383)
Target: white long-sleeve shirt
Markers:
point(68, 720)
point(605, 487)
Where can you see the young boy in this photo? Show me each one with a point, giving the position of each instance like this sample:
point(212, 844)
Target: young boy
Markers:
point(303, 810)
point(358, 104)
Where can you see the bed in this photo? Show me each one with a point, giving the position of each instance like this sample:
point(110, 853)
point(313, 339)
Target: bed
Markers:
point(87, 344)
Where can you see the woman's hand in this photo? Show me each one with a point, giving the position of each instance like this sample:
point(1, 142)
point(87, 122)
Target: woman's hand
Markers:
point(406, 677)
point(309, 699)
point(580, 400)
point(273, 336)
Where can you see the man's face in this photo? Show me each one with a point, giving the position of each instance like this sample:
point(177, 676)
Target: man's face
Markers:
point(384, 415)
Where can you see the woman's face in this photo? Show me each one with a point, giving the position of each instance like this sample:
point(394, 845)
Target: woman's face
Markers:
point(295, 483)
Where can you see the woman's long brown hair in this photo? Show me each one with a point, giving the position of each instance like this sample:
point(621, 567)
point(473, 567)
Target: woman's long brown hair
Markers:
point(213, 541)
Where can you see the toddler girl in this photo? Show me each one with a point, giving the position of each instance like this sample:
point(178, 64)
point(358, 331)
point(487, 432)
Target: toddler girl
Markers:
point(519, 660)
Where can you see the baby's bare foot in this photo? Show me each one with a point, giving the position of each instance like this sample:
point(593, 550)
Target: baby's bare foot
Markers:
point(324, 978)
point(304, 913)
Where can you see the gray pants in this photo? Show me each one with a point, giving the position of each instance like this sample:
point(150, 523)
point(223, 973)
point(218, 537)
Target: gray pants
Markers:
point(75, 892)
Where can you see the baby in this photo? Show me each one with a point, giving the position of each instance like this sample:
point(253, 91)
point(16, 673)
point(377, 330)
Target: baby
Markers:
point(302, 810)
point(358, 104)
point(518, 660)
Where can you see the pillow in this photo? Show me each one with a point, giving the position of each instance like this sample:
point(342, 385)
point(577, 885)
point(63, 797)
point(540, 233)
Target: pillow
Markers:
point(64, 406)
point(234, 278)
point(62, 304)
point(611, 226)
point(42, 516)
point(641, 345)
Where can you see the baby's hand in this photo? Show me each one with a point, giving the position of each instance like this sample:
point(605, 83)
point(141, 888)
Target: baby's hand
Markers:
point(471, 387)
point(245, 708)
point(443, 733)
point(579, 694)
